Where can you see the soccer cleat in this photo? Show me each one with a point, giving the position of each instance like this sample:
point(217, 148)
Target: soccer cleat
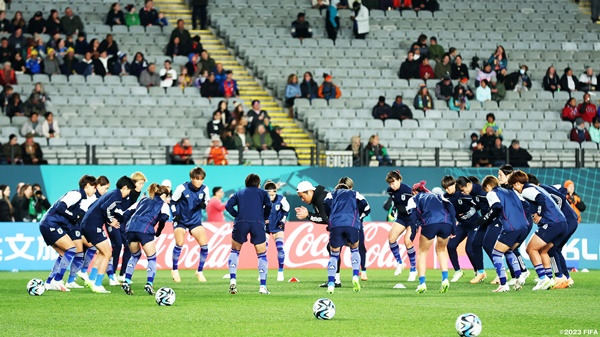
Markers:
point(457, 275)
point(100, 290)
point(121, 278)
point(83, 276)
point(495, 281)
point(56, 286)
point(73, 285)
point(200, 276)
point(525, 274)
point(330, 288)
point(511, 282)
point(355, 283)
point(551, 284)
point(89, 283)
point(232, 286)
point(421, 288)
point(113, 282)
point(126, 288)
point(542, 284)
point(478, 278)
point(412, 276)
point(363, 276)
point(175, 275)
point(558, 281)
point(570, 282)
point(149, 289)
point(561, 285)
point(326, 284)
point(445, 286)
point(399, 269)
point(263, 290)
point(280, 277)
point(502, 289)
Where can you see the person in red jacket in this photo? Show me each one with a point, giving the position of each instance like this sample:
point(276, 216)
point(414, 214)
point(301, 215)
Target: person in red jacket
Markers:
point(579, 133)
point(570, 111)
point(7, 75)
point(425, 70)
point(215, 207)
point(587, 109)
point(182, 153)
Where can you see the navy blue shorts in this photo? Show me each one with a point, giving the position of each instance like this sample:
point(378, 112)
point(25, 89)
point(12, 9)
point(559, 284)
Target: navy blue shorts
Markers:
point(552, 233)
point(94, 235)
point(51, 234)
point(510, 238)
point(142, 238)
point(75, 233)
point(442, 230)
point(188, 227)
point(274, 228)
point(256, 230)
point(403, 221)
point(340, 236)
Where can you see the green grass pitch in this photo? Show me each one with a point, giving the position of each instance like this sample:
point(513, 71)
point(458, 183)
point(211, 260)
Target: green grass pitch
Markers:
point(378, 310)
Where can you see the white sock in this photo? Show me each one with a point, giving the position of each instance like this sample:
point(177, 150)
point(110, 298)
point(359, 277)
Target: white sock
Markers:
point(337, 278)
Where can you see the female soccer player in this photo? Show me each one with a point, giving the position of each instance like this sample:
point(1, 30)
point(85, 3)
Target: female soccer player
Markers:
point(107, 210)
point(188, 201)
point(149, 212)
point(57, 224)
point(251, 216)
point(506, 206)
point(552, 227)
point(467, 216)
point(276, 225)
point(346, 209)
point(400, 194)
point(435, 215)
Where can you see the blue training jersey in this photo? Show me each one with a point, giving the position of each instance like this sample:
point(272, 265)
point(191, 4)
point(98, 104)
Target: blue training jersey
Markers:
point(400, 198)
point(253, 205)
point(512, 215)
point(148, 212)
point(67, 209)
point(563, 204)
point(427, 208)
point(188, 202)
point(346, 208)
point(479, 196)
point(104, 211)
point(279, 211)
point(465, 208)
point(546, 206)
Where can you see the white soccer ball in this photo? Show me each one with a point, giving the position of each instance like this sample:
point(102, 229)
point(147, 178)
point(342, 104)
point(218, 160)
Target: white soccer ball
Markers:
point(35, 287)
point(324, 309)
point(468, 325)
point(165, 296)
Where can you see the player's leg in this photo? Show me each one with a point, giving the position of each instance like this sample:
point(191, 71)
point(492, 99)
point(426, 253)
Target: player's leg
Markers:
point(179, 233)
point(233, 264)
point(338, 281)
point(536, 244)
point(477, 247)
point(336, 241)
point(76, 264)
point(497, 256)
point(126, 257)
point(101, 264)
point(134, 248)
point(395, 232)
point(469, 247)
point(362, 251)
point(90, 252)
point(257, 238)
point(442, 254)
point(66, 250)
point(279, 243)
point(116, 243)
point(489, 241)
point(460, 234)
point(200, 235)
point(355, 258)
point(562, 263)
point(150, 251)
point(424, 244)
point(409, 236)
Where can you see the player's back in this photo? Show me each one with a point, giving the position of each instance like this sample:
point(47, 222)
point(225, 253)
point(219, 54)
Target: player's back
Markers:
point(465, 207)
point(64, 208)
point(147, 214)
point(97, 213)
point(431, 209)
point(550, 211)
point(251, 203)
point(343, 208)
point(561, 201)
point(514, 216)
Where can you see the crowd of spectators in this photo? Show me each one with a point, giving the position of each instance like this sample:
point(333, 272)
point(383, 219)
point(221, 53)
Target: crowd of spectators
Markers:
point(27, 153)
point(28, 203)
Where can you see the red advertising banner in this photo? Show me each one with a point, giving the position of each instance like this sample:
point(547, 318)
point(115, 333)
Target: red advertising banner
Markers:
point(305, 247)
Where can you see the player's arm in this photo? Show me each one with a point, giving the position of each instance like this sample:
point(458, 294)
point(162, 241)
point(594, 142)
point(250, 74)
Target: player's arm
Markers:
point(285, 210)
point(451, 210)
point(493, 212)
point(68, 200)
point(320, 216)
point(129, 212)
point(327, 204)
point(267, 205)
point(162, 219)
point(175, 200)
point(364, 208)
point(230, 206)
point(411, 209)
point(532, 194)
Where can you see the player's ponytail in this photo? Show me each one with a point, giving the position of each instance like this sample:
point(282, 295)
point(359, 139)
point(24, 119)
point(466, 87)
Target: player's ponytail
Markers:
point(342, 187)
point(152, 189)
point(347, 181)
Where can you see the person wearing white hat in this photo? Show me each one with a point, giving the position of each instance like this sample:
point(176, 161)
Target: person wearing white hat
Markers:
point(167, 183)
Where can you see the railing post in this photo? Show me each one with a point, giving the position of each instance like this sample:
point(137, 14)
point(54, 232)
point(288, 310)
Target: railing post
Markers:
point(582, 157)
point(437, 157)
point(93, 158)
point(168, 155)
point(578, 163)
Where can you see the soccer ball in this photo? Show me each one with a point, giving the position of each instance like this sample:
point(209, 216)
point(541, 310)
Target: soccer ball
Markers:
point(468, 325)
point(165, 296)
point(35, 287)
point(324, 309)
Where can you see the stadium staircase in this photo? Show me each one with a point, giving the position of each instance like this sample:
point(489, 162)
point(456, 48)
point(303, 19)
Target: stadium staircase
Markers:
point(250, 88)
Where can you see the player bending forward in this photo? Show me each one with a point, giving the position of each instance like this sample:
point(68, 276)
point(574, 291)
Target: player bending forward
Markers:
point(276, 224)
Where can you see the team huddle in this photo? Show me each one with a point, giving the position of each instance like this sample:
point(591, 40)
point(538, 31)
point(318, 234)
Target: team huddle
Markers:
point(495, 216)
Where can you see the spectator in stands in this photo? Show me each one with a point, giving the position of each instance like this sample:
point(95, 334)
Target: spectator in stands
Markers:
point(193, 66)
point(109, 45)
point(15, 107)
point(182, 153)
point(483, 92)
point(377, 151)
point(292, 91)
point(473, 141)
point(81, 44)
point(195, 46)
point(18, 22)
point(115, 15)
point(13, 151)
point(229, 86)
point(458, 70)
point(199, 12)
point(51, 63)
point(570, 112)
point(85, 67)
point(225, 114)
point(444, 89)
point(34, 105)
point(361, 20)
point(227, 140)
point(574, 200)
point(381, 110)
point(210, 88)
point(70, 23)
point(32, 152)
point(588, 81)
point(485, 74)
point(53, 25)
point(595, 130)
point(184, 80)
point(421, 44)
point(328, 90)
point(216, 154)
point(587, 109)
point(149, 77)
point(320, 4)
point(220, 74)
point(32, 126)
point(201, 79)
point(489, 138)
point(216, 126)
point(436, 52)
point(357, 151)
point(21, 203)
point(236, 116)
point(309, 88)
point(206, 62)
point(332, 22)
point(33, 64)
point(6, 97)
point(138, 65)
point(94, 46)
point(100, 63)
point(301, 28)
point(409, 69)
point(162, 19)
point(595, 10)
point(400, 110)
point(132, 18)
point(423, 100)
point(425, 70)
point(50, 128)
point(568, 82)
point(459, 100)
point(579, 133)
point(256, 116)
point(498, 60)
point(6, 208)
point(498, 89)
point(121, 67)
point(7, 75)
point(148, 15)
point(5, 26)
point(481, 157)
point(6, 51)
point(241, 139)
point(490, 122)
point(37, 24)
point(519, 80)
point(443, 68)
point(168, 75)
point(183, 34)
point(464, 83)
point(261, 140)
point(518, 156)
point(278, 142)
point(551, 81)
point(498, 153)
point(215, 207)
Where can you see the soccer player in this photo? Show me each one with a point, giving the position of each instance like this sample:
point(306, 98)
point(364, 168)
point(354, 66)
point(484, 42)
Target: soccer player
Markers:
point(276, 225)
point(400, 194)
point(467, 216)
point(435, 214)
point(345, 209)
point(507, 206)
point(107, 210)
point(252, 213)
point(552, 227)
point(188, 201)
point(140, 231)
point(57, 224)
